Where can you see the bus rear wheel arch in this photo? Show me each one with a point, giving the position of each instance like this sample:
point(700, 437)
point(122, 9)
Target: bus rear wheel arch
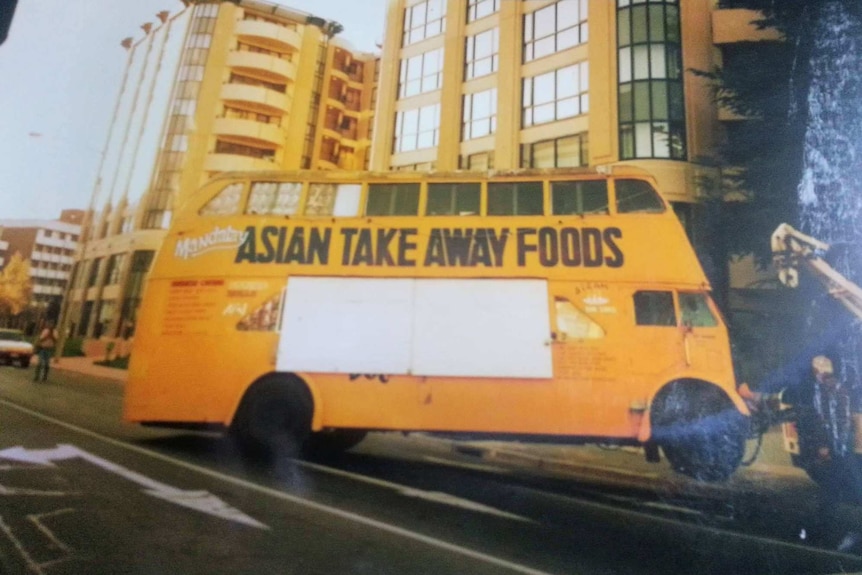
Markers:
point(699, 429)
point(274, 417)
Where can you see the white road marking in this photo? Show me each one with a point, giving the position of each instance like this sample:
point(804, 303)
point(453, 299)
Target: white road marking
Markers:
point(447, 499)
point(32, 564)
point(197, 500)
point(19, 491)
point(334, 511)
point(435, 496)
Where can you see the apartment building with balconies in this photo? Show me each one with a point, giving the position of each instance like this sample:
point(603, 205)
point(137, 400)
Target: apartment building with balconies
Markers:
point(50, 246)
point(215, 87)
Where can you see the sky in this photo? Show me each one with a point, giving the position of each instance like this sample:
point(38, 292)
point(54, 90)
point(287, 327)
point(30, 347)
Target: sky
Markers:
point(62, 66)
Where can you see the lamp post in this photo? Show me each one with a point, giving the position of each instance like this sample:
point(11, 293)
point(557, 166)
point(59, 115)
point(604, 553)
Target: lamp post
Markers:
point(82, 240)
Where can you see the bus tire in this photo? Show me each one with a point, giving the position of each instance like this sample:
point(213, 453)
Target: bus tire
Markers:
point(274, 418)
point(333, 442)
point(700, 431)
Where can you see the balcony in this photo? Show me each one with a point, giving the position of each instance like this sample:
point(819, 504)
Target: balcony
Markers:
point(215, 162)
point(268, 35)
point(255, 98)
point(265, 66)
point(249, 132)
point(735, 25)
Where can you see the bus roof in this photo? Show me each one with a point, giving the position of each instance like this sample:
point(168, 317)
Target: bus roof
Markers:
point(341, 175)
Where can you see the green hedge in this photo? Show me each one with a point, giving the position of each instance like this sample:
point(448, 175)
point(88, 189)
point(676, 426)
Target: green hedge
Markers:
point(74, 347)
point(118, 362)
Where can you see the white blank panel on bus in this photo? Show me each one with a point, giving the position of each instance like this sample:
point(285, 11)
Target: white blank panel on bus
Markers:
point(466, 328)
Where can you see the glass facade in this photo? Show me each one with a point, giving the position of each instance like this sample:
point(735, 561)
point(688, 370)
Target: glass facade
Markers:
point(566, 152)
point(481, 54)
point(180, 116)
point(554, 28)
point(424, 20)
point(417, 129)
point(555, 95)
point(479, 114)
point(651, 103)
point(477, 9)
point(421, 73)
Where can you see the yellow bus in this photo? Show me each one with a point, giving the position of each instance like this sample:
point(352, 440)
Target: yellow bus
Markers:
point(308, 308)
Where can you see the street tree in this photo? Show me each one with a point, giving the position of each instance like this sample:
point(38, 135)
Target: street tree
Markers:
point(15, 286)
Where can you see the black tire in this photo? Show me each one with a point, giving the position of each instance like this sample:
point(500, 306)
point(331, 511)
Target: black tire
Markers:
point(274, 418)
point(700, 431)
point(329, 443)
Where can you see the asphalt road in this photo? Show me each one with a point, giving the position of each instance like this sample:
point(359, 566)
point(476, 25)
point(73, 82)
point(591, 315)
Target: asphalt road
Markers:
point(81, 492)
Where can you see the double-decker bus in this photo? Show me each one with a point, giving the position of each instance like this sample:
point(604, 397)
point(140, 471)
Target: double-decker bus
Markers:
point(309, 308)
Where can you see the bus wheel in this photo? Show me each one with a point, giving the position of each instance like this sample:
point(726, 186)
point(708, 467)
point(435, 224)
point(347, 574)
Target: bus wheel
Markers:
point(699, 429)
point(333, 442)
point(274, 418)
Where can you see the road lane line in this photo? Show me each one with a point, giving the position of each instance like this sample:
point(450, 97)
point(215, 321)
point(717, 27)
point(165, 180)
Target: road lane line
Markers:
point(340, 513)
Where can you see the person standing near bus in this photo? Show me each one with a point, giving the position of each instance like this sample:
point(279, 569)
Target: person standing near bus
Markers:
point(45, 344)
point(827, 419)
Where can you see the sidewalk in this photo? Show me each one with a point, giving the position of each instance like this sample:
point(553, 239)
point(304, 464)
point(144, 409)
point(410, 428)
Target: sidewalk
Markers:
point(85, 365)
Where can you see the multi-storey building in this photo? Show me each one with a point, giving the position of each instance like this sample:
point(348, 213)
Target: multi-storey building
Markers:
point(549, 83)
point(218, 86)
point(497, 84)
point(4, 250)
point(50, 247)
point(503, 84)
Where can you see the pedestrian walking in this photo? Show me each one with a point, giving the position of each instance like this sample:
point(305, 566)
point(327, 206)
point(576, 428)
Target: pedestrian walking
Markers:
point(45, 345)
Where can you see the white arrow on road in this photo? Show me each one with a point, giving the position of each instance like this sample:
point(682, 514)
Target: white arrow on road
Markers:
point(198, 500)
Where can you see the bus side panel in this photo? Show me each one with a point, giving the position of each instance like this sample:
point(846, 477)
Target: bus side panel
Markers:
point(189, 363)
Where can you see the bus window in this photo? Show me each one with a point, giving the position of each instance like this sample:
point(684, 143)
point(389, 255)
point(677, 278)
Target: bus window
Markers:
point(277, 198)
point(455, 199)
point(333, 200)
point(654, 308)
point(515, 199)
point(572, 323)
point(575, 198)
point(695, 310)
point(226, 203)
point(637, 196)
point(392, 200)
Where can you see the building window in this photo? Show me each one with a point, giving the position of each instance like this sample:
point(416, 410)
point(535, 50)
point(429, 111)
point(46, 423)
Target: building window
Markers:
point(392, 200)
point(114, 268)
point(222, 147)
point(479, 114)
point(477, 9)
point(455, 199)
point(554, 28)
point(417, 129)
point(651, 100)
point(422, 73)
point(515, 199)
point(568, 152)
point(481, 162)
point(481, 54)
point(562, 93)
point(94, 272)
point(578, 198)
point(424, 20)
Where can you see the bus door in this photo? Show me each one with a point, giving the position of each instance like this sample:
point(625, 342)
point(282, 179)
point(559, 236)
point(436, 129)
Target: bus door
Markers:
point(657, 346)
point(586, 358)
point(702, 334)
